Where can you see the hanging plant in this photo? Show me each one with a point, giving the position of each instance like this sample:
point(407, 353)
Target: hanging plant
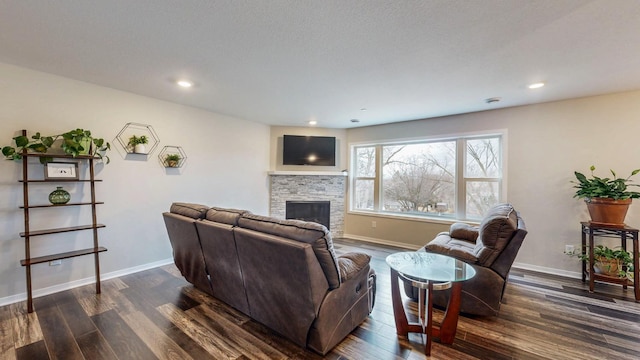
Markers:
point(74, 142)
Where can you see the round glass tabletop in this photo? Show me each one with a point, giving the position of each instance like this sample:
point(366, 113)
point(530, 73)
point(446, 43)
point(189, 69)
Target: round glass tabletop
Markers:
point(424, 266)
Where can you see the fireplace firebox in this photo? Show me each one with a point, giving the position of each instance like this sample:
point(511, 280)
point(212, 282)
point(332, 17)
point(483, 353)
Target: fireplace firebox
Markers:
point(316, 211)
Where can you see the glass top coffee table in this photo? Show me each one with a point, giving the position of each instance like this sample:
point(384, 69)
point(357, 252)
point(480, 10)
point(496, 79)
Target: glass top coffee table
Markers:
point(428, 272)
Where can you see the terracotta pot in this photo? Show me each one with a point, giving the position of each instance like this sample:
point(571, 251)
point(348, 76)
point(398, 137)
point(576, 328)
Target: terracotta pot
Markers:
point(605, 211)
point(609, 267)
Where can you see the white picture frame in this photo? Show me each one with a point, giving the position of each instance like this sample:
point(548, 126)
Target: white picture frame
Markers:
point(61, 171)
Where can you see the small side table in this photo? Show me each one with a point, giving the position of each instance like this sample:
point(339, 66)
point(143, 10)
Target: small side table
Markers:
point(624, 233)
point(428, 272)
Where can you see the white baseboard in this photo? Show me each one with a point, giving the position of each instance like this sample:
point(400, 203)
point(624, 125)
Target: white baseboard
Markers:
point(522, 266)
point(546, 270)
point(383, 242)
point(76, 283)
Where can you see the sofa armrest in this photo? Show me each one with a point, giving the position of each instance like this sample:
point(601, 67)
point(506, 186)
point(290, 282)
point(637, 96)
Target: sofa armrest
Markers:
point(343, 309)
point(351, 264)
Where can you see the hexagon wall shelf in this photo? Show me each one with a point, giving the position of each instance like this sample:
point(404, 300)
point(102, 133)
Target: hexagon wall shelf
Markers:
point(172, 150)
point(131, 129)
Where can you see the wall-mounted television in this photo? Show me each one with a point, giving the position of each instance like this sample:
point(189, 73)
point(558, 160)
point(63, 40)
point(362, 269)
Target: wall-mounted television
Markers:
point(309, 150)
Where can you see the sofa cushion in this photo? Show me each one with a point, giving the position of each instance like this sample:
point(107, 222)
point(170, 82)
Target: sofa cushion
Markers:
point(464, 231)
point(496, 230)
point(447, 245)
point(284, 282)
point(308, 232)
point(187, 253)
point(194, 211)
point(225, 216)
point(221, 258)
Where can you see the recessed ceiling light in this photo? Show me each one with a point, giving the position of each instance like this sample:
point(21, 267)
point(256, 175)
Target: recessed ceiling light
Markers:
point(185, 83)
point(536, 85)
point(313, 122)
point(363, 109)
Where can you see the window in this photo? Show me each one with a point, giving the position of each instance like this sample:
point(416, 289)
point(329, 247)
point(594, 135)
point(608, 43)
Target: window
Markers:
point(365, 178)
point(457, 178)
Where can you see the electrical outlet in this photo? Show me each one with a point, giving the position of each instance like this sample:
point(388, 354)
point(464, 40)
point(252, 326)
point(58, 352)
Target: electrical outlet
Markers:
point(569, 249)
point(55, 262)
point(373, 224)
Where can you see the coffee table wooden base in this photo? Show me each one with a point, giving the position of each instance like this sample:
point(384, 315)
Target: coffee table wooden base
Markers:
point(446, 332)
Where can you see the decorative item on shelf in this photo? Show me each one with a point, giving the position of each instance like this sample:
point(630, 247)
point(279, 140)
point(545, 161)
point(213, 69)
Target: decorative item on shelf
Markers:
point(61, 171)
point(137, 144)
point(138, 139)
point(606, 261)
point(172, 156)
point(74, 142)
point(172, 160)
point(607, 199)
point(59, 196)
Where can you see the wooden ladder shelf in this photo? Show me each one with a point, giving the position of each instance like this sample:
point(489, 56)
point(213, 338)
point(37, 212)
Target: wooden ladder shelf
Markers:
point(28, 233)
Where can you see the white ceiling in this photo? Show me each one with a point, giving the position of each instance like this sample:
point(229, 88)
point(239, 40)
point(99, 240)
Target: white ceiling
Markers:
point(285, 62)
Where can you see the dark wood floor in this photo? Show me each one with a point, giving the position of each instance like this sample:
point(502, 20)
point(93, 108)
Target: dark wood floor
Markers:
point(155, 314)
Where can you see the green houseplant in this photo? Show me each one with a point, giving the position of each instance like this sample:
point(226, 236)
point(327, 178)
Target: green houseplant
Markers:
point(596, 187)
point(172, 160)
point(74, 142)
point(137, 143)
point(607, 199)
point(608, 261)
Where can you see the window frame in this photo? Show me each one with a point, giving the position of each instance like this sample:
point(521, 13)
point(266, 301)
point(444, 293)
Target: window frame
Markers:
point(461, 180)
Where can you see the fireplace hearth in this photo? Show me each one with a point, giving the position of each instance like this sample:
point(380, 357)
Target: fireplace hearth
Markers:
point(316, 211)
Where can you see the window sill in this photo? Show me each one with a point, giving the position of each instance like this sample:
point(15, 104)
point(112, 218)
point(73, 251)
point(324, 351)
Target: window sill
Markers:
point(425, 219)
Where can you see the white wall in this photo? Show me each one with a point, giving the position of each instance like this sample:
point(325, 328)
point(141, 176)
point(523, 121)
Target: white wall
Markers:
point(226, 166)
point(546, 143)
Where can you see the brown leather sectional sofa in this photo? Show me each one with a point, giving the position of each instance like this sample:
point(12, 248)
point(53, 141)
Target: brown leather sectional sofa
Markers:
point(282, 273)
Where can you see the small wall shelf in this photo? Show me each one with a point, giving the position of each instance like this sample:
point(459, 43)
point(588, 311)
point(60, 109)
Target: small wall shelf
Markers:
point(136, 129)
point(169, 150)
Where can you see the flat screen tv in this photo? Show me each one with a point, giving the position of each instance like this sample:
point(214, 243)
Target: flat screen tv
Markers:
point(309, 150)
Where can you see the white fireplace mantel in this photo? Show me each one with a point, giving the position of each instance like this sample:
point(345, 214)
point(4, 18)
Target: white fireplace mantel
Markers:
point(308, 173)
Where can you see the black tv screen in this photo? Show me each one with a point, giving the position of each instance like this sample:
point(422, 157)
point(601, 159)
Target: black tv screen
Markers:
point(309, 150)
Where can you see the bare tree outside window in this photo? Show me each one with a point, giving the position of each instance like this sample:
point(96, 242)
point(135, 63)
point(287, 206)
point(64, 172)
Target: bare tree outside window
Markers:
point(364, 183)
point(420, 178)
point(483, 173)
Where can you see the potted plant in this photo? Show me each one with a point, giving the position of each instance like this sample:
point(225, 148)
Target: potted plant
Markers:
point(74, 142)
point(172, 160)
point(137, 143)
point(607, 199)
point(607, 261)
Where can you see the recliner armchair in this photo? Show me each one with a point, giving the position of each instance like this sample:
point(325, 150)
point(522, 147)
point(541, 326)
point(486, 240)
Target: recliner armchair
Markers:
point(490, 248)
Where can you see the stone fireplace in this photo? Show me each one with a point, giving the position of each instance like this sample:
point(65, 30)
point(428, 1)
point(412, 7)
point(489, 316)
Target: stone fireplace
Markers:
point(309, 187)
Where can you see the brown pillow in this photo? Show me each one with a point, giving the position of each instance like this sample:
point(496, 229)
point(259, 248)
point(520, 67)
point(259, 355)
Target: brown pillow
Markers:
point(464, 232)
